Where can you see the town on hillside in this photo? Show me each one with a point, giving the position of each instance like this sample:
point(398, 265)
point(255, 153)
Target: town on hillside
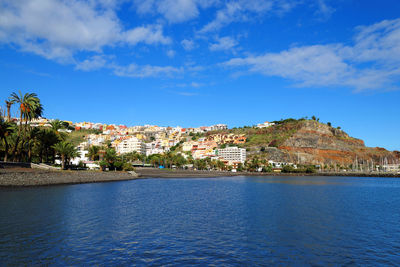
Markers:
point(191, 143)
point(288, 145)
point(204, 147)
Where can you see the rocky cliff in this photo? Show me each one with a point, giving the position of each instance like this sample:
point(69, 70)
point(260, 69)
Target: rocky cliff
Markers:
point(312, 142)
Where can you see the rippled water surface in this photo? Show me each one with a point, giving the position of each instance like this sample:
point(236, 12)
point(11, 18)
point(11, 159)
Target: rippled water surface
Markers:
point(224, 221)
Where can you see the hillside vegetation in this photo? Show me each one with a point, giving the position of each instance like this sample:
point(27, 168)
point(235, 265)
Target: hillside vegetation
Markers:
point(308, 142)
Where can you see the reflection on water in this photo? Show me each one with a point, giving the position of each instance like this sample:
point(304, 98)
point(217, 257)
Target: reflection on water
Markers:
point(227, 221)
point(296, 181)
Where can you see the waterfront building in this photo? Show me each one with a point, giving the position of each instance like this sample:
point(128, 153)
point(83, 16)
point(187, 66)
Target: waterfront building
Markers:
point(391, 168)
point(232, 154)
point(131, 144)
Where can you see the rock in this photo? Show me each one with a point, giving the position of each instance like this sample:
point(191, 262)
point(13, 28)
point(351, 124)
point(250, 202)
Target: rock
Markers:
point(133, 173)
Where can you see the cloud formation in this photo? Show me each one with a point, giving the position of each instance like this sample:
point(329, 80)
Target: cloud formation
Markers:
point(371, 63)
point(136, 71)
point(174, 11)
point(92, 63)
point(187, 44)
point(58, 29)
point(223, 43)
point(244, 10)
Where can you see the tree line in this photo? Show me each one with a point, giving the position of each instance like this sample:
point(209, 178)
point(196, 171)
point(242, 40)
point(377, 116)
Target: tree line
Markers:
point(20, 142)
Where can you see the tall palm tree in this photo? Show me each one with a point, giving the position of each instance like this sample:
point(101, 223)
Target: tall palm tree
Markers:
point(32, 140)
point(5, 130)
point(29, 108)
point(46, 138)
point(56, 125)
point(9, 103)
point(94, 152)
point(67, 151)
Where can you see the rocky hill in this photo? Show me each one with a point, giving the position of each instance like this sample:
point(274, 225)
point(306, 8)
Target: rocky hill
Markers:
point(311, 142)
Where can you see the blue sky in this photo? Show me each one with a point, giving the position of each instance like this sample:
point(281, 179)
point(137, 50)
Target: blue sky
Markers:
point(201, 62)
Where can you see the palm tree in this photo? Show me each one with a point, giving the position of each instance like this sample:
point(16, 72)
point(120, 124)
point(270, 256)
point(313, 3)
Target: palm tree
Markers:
point(5, 130)
point(9, 104)
point(32, 140)
point(56, 125)
point(67, 151)
point(110, 156)
point(45, 145)
point(93, 152)
point(220, 165)
point(29, 108)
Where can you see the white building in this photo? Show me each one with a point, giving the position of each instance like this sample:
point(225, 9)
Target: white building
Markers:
point(154, 148)
point(233, 154)
point(130, 145)
point(82, 157)
point(265, 124)
point(187, 146)
point(391, 168)
point(219, 127)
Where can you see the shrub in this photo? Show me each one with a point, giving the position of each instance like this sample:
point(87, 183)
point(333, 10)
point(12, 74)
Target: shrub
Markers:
point(127, 167)
point(288, 169)
point(118, 165)
point(103, 165)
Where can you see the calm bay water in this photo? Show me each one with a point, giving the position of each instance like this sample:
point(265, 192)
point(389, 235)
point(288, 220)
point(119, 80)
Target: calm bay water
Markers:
point(223, 221)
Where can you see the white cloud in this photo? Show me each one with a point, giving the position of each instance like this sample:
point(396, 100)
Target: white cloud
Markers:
point(175, 11)
point(192, 84)
point(136, 71)
point(195, 84)
point(312, 65)
point(223, 43)
point(171, 53)
point(324, 9)
point(93, 63)
point(151, 34)
point(243, 10)
point(58, 29)
point(379, 42)
point(187, 44)
point(186, 93)
point(371, 63)
point(178, 10)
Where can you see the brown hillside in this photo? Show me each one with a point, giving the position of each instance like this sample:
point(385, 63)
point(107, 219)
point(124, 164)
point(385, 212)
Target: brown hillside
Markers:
point(312, 142)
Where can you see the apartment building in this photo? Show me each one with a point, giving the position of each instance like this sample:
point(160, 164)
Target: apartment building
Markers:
point(131, 144)
point(232, 154)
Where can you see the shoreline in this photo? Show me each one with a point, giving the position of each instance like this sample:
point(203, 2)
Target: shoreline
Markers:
point(26, 177)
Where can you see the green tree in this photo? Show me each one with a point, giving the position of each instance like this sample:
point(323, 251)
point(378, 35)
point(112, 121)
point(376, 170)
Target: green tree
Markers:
point(94, 152)
point(221, 165)
point(104, 164)
point(31, 140)
point(9, 103)
point(29, 108)
point(6, 130)
point(56, 125)
point(127, 167)
point(66, 151)
point(110, 156)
